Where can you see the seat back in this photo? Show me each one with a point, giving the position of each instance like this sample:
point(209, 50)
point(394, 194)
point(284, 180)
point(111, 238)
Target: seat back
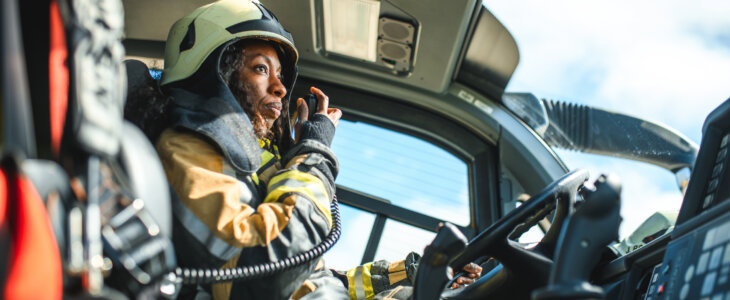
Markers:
point(28, 250)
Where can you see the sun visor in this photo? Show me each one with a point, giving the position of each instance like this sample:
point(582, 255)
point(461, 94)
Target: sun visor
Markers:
point(491, 57)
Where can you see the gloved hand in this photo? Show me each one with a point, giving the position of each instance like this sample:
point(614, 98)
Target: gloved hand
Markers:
point(473, 272)
point(318, 128)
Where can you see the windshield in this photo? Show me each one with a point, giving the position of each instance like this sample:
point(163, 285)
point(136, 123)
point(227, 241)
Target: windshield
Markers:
point(662, 61)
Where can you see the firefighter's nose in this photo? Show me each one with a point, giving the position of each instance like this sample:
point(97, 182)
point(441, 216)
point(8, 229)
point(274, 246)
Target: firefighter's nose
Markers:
point(277, 88)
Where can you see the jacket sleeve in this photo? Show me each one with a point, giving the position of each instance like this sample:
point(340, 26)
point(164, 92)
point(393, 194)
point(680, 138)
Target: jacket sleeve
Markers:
point(380, 278)
point(296, 198)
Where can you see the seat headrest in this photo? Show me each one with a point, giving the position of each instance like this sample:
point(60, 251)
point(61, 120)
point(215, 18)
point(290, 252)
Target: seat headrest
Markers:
point(138, 75)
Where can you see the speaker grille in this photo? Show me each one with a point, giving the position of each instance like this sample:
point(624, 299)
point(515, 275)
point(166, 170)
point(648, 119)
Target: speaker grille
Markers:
point(397, 31)
point(393, 51)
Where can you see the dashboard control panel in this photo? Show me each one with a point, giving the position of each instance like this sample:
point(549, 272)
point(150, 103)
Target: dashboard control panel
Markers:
point(696, 265)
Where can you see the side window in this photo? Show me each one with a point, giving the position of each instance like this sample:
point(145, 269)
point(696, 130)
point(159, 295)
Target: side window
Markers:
point(513, 195)
point(402, 171)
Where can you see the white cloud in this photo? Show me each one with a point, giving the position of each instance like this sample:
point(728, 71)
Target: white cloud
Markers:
point(667, 61)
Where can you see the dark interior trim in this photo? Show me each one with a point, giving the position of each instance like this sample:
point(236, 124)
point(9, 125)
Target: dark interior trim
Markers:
point(379, 206)
point(376, 235)
point(484, 174)
point(144, 48)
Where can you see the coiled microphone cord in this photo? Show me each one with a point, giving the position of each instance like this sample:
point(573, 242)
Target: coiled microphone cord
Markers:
point(206, 276)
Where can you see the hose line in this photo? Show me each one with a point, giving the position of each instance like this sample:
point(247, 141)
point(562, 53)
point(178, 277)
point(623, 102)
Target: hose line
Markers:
point(206, 276)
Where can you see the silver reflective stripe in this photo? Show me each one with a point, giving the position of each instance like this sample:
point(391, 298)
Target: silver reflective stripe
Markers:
point(251, 192)
point(359, 287)
point(228, 170)
point(196, 228)
point(246, 194)
point(319, 194)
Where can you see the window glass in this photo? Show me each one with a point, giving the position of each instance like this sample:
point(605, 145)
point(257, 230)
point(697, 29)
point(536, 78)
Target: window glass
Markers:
point(406, 171)
point(532, 236)
point(400, 239)
point(650, 198)
point(349, 249)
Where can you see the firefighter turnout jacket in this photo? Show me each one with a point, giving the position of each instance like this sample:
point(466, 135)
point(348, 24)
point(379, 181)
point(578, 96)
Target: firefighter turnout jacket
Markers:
point(228, 212)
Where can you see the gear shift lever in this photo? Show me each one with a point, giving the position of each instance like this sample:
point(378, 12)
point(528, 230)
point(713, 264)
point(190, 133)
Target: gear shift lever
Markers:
point(584, 236)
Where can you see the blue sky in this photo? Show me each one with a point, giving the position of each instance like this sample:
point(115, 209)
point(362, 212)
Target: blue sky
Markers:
point(665, 61)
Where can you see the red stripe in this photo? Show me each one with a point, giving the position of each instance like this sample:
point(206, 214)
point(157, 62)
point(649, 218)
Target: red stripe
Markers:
point(58, 78)
point(35, 262)
point(3, 197)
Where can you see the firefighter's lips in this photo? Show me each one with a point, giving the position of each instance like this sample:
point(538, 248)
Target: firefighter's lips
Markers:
point(274, 109)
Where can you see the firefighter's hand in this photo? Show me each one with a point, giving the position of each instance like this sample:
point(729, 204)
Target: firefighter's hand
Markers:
point(333, 114)
point(323, 123)
point(473, 272)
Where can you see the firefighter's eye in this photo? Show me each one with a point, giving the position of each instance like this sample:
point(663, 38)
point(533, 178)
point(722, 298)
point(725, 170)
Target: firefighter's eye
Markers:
point(261, 68)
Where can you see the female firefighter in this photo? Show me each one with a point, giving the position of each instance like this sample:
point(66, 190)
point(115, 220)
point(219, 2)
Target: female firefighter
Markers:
point(228, 68)
point(244, 192)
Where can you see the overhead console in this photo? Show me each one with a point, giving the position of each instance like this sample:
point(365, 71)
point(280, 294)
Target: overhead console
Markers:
point(696, 262)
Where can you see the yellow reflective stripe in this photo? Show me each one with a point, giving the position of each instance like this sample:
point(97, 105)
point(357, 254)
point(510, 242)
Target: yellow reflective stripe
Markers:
point(359, 283)
point(308, 179)
point(276, 149)
point(266, 174)
point(276, 194)
point(255, 178)
point(396, 277)
point(266, 156)
point(295, 178)
point(302, 183)
point(397, 266)
point(263, 143)
point(268, 167)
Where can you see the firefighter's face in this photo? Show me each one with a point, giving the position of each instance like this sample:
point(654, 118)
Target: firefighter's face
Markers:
point(260, 76)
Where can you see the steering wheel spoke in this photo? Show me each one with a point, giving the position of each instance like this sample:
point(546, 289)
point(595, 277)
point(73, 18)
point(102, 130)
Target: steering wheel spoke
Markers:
point(531, 266)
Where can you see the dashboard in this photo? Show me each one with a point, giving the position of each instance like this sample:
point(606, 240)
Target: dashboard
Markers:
point(692, 261)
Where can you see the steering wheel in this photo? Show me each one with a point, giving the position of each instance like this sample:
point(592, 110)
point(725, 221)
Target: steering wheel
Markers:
point(521, 270)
